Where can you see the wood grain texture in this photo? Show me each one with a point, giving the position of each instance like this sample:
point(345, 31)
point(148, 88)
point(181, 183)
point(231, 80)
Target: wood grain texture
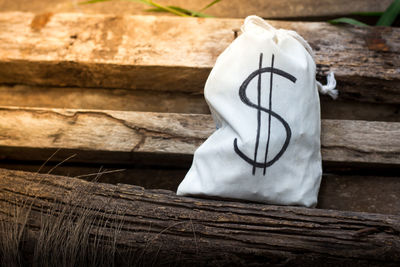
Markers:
point(119, 135)
point(172, 102)
point(231, 9)
point(161, 227)
point(362, 193)
point(360, 141)
point(171, 53)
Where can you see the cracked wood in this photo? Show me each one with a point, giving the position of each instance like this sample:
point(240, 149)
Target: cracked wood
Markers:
point(171, 53)
point(158, 226)
point(116, 136)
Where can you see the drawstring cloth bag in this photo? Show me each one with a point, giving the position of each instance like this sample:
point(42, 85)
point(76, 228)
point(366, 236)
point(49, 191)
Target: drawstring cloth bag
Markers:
point(264, 99)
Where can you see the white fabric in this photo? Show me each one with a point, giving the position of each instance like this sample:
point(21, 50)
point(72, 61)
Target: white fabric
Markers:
point(330, 87)
point(287, 122)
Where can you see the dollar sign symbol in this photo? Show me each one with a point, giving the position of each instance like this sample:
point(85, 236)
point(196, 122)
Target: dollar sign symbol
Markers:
point(259, 108)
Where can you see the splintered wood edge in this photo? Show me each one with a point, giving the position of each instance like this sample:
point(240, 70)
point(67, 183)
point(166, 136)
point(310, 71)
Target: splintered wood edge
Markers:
point(120, 135)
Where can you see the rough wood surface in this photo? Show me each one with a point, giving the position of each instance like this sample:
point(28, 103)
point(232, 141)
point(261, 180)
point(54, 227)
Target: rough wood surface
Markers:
point(231, 8)
point(172, 102)
point(170, 53)
point(363, 193)
point(116, 136)
point(166, 229)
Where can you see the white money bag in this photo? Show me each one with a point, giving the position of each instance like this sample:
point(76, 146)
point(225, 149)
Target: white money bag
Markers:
point(264, 99)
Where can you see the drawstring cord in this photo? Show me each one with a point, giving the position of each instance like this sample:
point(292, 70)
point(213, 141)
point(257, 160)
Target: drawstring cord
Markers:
point(301, 40)
point(330, 87)
point(263, 24)
point(257, 21)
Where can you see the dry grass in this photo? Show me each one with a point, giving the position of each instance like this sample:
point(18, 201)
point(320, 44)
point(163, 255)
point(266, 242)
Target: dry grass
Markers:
point(12, 231)
point(68, 235)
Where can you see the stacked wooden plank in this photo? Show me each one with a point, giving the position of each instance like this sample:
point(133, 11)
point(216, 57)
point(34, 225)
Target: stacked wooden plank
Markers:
point(91, 90)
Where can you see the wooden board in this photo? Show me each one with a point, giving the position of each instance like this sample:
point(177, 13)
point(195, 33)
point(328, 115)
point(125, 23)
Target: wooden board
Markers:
point(172, 102)
point(156, 226)
point(172, 53)
point(116, 136)
point(363, 193)
point(232, 8)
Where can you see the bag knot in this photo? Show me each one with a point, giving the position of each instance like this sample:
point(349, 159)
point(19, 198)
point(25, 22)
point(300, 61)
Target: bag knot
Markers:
point(330, 87)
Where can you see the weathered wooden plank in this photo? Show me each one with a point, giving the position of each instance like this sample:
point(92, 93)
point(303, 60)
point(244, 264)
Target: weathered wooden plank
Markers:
point(171, 53)
point(362, 193)
point(116, 136)
point(231, 9)
point(172, 102)
point(156, 226)
point(360, 141)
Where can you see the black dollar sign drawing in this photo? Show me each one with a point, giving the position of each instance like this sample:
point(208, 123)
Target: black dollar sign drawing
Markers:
point(259, 108)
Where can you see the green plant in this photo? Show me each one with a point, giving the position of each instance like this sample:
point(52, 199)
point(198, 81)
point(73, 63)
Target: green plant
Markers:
point(156, 7)
point(385, 18)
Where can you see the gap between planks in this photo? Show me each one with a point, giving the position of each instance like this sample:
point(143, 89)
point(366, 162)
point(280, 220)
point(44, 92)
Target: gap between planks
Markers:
point(171, 102)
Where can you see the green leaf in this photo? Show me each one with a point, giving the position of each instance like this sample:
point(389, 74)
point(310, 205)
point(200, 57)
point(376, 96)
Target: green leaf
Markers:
point(166, 8)
point(390, 14)
point(190, 12)
point(210, 5)
point(201, 15)
point(147, 2)
point(160, 8)
point(180, 9)
point(155, 9)
point(92, 2)
point(367, 14)
point(347, 21)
